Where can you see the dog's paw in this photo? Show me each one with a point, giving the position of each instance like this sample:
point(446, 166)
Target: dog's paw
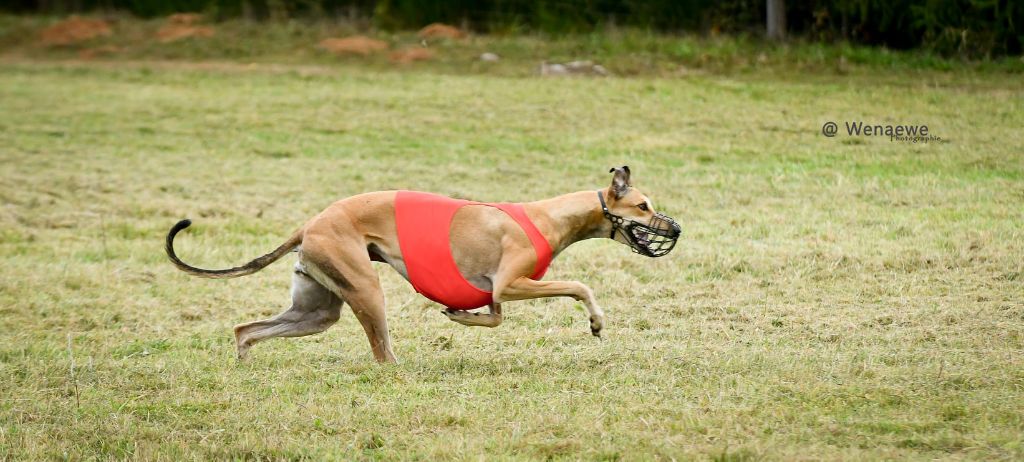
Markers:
point(596, 324)
point(242, 345)
point(453, 315)
point(243, 352)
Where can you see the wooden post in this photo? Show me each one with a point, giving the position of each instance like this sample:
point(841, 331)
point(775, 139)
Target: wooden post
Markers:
point(776, 19)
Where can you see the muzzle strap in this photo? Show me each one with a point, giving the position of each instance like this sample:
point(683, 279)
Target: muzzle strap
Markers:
point(609, 216)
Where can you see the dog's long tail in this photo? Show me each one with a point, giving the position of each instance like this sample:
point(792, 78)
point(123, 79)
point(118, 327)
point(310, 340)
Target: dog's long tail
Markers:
point(246, 269)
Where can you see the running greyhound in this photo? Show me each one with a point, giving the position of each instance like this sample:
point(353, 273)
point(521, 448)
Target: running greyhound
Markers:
point(461, 254)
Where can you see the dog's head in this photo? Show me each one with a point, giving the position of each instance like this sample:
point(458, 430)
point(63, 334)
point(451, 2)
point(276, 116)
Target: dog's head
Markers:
point(631, 219)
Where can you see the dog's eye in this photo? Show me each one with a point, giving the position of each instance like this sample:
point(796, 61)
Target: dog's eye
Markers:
point(643, 206)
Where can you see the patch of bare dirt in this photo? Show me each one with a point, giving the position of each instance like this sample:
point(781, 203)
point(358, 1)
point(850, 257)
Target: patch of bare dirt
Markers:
point(354, 45)
point(181, 26)
point(74, 30)
point(185, 19)
point(439, 30)
point(409, 55)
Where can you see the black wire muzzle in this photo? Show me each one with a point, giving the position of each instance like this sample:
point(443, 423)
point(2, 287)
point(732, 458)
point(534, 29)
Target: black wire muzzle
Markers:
point(654, 239)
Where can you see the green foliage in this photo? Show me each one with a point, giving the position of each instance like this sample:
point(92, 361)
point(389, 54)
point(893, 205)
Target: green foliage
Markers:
point(969, 28)
point(623, 51)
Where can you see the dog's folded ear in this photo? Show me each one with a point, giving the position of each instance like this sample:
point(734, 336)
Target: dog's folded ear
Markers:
point(620, 181)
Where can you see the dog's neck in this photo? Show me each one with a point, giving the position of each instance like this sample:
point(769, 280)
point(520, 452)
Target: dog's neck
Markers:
point(569, 218)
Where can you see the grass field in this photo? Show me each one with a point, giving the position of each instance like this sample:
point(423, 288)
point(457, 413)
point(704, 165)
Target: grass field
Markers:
point(832, 298)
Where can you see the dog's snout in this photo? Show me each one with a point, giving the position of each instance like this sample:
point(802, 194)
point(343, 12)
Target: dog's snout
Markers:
point(667, 223)
point(676, 229)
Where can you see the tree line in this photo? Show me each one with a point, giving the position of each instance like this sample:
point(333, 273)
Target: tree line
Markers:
point(970, 28)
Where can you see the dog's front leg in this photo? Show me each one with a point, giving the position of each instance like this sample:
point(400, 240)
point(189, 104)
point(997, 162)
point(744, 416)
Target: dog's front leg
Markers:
point(466, 318)
point(524, 288)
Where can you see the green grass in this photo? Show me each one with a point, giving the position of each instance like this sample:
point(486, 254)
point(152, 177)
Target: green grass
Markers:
point(832, 298)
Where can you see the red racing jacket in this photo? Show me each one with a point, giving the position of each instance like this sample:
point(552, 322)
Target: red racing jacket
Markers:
point(424, 222)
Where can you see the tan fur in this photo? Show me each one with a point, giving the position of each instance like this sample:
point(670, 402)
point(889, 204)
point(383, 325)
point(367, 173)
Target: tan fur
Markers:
point(336, 248)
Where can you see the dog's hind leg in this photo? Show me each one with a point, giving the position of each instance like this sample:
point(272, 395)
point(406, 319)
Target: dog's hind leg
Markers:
point(368, 306)
point(345, 267)
point(491, 319)
point(313, 310)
